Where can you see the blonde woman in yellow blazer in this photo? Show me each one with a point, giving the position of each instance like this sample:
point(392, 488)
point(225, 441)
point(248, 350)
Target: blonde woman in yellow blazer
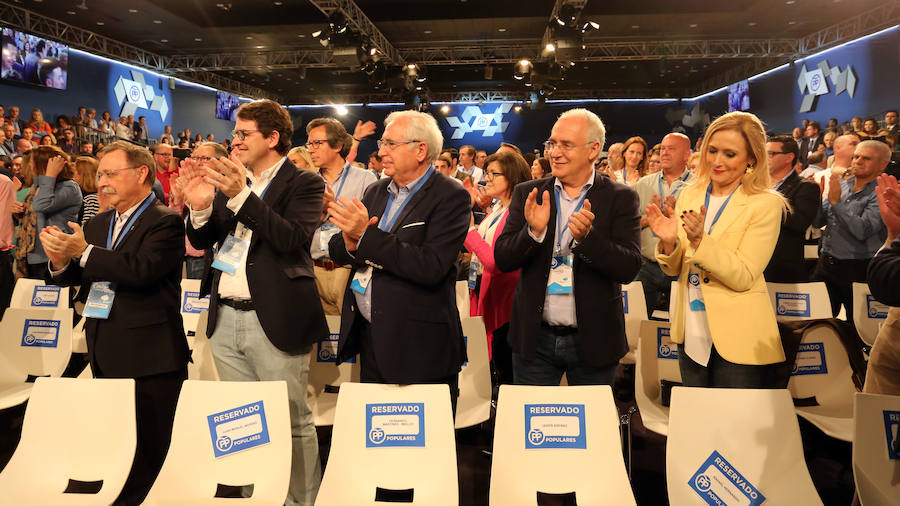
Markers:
point(722, 319)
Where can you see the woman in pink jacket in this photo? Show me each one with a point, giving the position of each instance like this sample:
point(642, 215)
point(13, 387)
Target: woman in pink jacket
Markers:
point(492, 290)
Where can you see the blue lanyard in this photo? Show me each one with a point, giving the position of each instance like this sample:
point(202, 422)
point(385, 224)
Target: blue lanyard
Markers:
point(560, 230)
point(493, 222)
point(112, 223)
point(385, 223)
point(724, 204)
point(659, 184)
point(346, 170)
point(262, 193)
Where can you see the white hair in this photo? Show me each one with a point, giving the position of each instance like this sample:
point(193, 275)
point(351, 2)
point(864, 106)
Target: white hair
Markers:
point(420, 127)
point(882, 149)
point(596, 132)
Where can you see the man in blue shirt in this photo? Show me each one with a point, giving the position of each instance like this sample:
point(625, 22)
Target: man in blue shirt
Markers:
point(853, 227)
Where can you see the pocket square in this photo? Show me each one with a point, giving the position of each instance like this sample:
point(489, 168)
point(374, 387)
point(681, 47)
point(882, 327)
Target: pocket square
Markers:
point(413, 224)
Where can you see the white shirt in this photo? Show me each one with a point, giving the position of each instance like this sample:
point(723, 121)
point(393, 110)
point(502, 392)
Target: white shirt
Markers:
point(234, 286)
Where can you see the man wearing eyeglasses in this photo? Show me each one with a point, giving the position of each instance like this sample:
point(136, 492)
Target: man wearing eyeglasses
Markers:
point(165, 169)
point(264, 312)
point(128, 263)
point(328, 143)
point(576, 239)
point(402, 240)
point(787, 263)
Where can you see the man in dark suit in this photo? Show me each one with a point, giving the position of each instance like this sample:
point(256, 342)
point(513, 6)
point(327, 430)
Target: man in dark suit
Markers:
point(264, 308)
point(402, 240)
point(132, 253)
point(576, 238)
point(883, 372)
point(811, 143)
point(787, 264)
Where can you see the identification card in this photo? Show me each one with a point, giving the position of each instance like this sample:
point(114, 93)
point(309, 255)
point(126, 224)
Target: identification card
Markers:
point(560, 280)
point(326, 232)
point(473, 272)
point(695, 293)
point(99, 300)
point(231, 254)
point(361, 280)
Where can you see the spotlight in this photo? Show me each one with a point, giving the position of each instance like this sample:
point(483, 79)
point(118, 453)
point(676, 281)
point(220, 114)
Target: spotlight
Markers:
point(341, 110)
point(517, 108)
point(445, 109)
point(550, 47)
point(590, 25)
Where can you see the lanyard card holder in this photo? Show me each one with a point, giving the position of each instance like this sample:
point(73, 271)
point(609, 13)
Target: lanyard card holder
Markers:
point(231, 254)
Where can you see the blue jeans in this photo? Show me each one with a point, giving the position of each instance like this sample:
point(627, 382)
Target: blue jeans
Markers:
point(557, 354)
point(720, 373)
point(242, 352)
point(655, 283)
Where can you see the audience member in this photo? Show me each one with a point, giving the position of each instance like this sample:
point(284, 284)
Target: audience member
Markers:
point(480, 157)
point(467, 164)
point(375, 164)
point(7, 237)
point(57, 201)
point(37, 123)
point(890, 121)
point(166, 137)
point(634, 151)
point(300, 157)
point(540, 168)
point(86, 177)
point(574, 253)
point(653, 162)
point(722, 319)
point(443, 165)
point(166, 169)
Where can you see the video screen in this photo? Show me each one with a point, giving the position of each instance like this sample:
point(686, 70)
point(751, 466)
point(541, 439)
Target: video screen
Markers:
point(226, 105)
point(31, 59)
point(739, 96)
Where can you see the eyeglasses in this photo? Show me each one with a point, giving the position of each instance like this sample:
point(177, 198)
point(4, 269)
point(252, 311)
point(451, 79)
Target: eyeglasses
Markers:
point(565, 147)
point(315, 144)
point(201, 159)
point(164, 155)
point(390, 145)
point(111, 173)
point(242, 134)
point(774, 153)
point(491, 175)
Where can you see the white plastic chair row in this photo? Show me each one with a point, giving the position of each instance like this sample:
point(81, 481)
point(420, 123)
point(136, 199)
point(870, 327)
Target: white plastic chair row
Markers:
point(35, 294)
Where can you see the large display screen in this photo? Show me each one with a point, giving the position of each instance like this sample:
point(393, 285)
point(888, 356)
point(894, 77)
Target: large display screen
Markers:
point(226, 105)
point(34, 60)
point(739, 96)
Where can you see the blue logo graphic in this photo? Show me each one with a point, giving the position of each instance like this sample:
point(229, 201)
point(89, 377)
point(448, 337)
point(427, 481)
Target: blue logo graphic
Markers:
point(703, 483)
point(555, 426)
point(810, 360)
point(40, 333)
point(792, 304)
point(664, 347)
point(238, 429)
point(717, 482)
point(394, 424)
point(473, 120)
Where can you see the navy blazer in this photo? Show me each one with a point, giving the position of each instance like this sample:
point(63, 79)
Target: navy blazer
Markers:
point(607, 257)
point(144, 334)
point(279, 266)
point(786, 265)
point(416, 331)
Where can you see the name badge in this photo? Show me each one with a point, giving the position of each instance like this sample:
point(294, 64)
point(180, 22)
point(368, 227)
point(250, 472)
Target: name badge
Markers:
point(326, 232)
point(560, 280)
point(473, 272)
point(694, 281)
point(231, 254)
point(361, 280)
point(99, 300)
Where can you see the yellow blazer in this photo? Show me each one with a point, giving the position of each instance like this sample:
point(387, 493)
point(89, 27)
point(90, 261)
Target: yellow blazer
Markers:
point(732, 259)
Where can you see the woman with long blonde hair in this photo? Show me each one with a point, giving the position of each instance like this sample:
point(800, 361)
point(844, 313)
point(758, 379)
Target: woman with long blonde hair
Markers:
point(634, 153)
point(719, 241)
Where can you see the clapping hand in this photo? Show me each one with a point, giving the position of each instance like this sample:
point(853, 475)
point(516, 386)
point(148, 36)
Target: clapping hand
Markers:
point(227, 174)
point(197, 192)
point(693, 225)
point(888, 192)
point(62, 247)
point(580, 223)
point(537, 215)
point(665, 227)
point(352, 218)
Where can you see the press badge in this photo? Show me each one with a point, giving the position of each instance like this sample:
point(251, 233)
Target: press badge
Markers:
point(231, 254)
point(99, 300)
point(694, 282)
point(560, 280)
point(473, 272)
point(361, 280)
point(326, 232)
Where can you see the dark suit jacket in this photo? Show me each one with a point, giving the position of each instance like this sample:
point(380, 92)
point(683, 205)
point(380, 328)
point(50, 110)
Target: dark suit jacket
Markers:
point(416, 332)
point(884, 275)
point(786, 265)
point(805, 147)
point(607, 257)
point(279, 266)
point(144, 334)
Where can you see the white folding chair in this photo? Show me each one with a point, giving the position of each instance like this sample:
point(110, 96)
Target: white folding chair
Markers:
point(395, 441)
point(325, 378)
point(202, 365)
point(35, 294)
point(735, 446)
point(77, 444)
point(192, 305)
point(474, 403)
point(799, 301)
point(876, 464)
point(635, 307)
point(227, 433)
point(33, 342)
point(463, 302)
point(822, 375)
point(657, 359)
point(558, 440)
point(868, 313)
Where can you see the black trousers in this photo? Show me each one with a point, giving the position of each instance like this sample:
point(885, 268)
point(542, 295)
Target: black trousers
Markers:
point(155, 400)
point(839, 276)
point(7, 279)
point(369, 371)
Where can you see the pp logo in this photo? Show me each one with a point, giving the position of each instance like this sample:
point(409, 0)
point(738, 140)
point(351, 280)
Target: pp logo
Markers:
point(694, 279)
point(37, 300)
point(664, 350)
point(782, 309)
point(223, 443)
point(795, 368)
point(325, 354)
point(134, 93)
point(536, 436)
point(703, 483)
point(555, 262)
point(188, 306)
point(815, 82)
point(376, 435)
point(872, 312)
point(30, 339)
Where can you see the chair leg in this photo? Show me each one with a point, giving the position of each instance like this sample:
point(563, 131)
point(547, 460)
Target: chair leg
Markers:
point(625, 427)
